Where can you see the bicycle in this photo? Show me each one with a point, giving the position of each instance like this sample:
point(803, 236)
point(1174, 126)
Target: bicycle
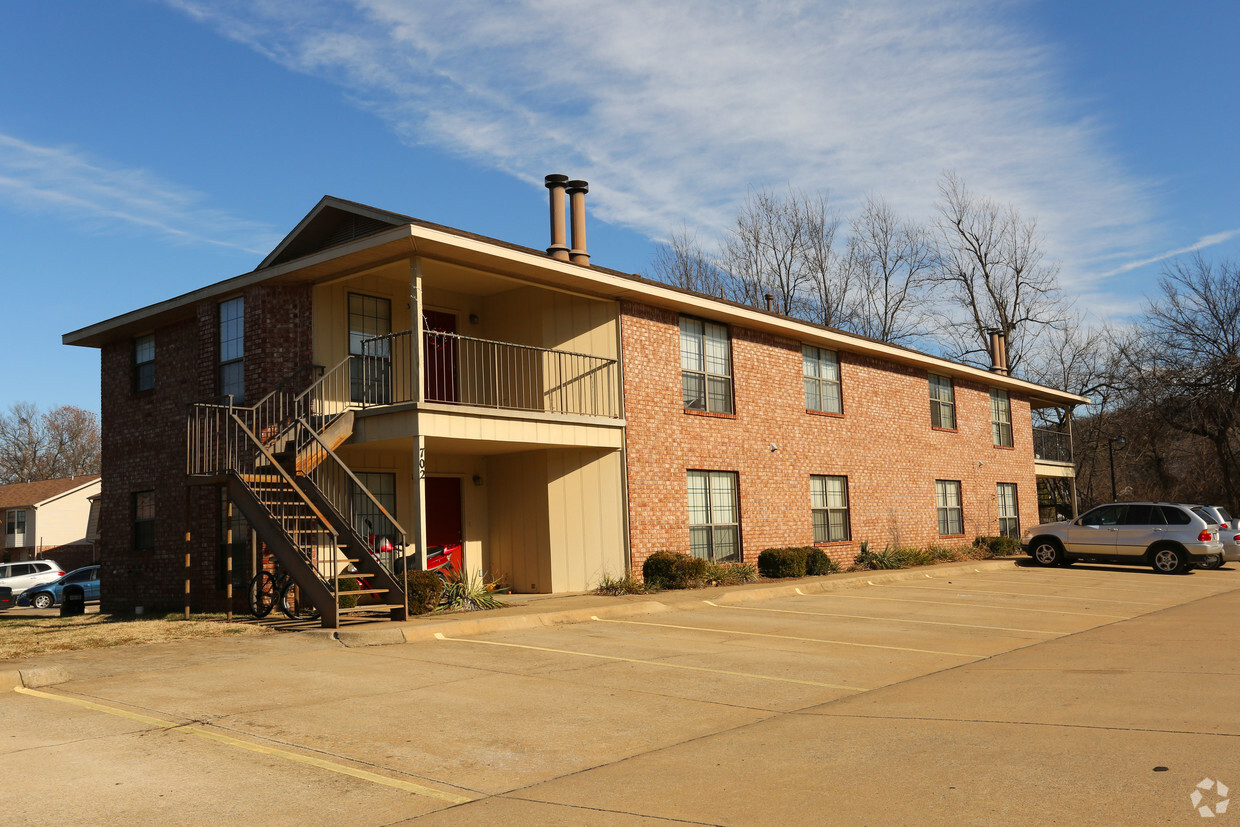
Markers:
point(268, 589)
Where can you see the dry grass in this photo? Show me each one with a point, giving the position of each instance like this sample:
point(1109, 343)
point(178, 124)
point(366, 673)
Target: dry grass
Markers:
point(26, 637)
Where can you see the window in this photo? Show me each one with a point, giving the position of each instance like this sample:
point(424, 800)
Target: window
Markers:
point(1001, 417)
point(942, 403)
point(705, 366)
point(15, 529)
point(144, 363)
point(232, 349)
point(1009, 519)
point(367, 519)
point(714, 516)
point(828, 497)
point(369, 316)
point(144, 521)
point(947, 499)
point(822, 380)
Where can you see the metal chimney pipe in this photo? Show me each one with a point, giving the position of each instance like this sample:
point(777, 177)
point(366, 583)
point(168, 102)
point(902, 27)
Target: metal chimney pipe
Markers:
point(559, 237)
point(1003, 362)
point(577, 211)
point(770, 300)
point(995, 365)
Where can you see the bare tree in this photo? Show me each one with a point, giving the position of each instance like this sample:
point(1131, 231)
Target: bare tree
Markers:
point(683, 262)
point(889, 262)
point(993, 272)
point(63, 442)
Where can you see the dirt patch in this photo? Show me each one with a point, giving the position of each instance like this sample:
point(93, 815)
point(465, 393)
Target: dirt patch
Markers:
point(26, 637)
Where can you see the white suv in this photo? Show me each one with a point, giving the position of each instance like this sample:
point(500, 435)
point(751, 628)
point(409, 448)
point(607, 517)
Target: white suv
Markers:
point(1167, 536)
point(21, 576)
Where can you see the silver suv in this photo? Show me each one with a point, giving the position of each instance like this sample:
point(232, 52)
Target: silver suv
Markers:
point(1167, 536)
point(22, 575)
point(1229, 533)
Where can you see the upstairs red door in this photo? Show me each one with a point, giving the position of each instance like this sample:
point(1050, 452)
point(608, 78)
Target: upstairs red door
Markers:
point(443, 515)
point(440, 353)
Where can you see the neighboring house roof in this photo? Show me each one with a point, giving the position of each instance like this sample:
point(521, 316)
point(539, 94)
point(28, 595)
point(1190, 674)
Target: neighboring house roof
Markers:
point(336, 228)
point(34, 494)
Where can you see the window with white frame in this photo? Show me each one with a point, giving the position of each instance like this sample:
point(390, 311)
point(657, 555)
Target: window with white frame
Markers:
point(705, 366)
point(232, 349)
point(714, 516)
point(828, 498)
point(144, 363)
point(370, 367)
point(1001, 418)
point(15, 528)
point(947, 500)
point(1009, 519)
point(822, 379)
point(367, 519)
point(942, 402)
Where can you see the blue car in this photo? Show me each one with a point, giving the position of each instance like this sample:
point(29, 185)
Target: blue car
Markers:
point(47, 595)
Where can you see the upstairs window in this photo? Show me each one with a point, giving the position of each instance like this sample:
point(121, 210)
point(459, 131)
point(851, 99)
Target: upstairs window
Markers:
point(822, 380)
point(15, 528)
point(1009, 518)
point(144, 521)
point(705, 366)
point(942, 403)
point(144, 363)
point(232, 349)
point(829, 502)
point(1001, 418)
point(947, 501)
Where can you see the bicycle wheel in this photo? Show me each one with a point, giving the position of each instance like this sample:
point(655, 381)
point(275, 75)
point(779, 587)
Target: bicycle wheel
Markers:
point(262, 594)
point(295, 605)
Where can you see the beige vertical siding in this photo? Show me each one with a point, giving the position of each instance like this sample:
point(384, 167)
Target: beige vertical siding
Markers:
point(585, 516)
point(519, 544)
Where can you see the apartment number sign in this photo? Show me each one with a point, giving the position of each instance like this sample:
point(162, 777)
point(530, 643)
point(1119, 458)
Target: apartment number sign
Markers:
point(421, 463)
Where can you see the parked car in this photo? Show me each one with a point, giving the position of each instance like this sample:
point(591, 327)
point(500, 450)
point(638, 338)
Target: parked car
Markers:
point(1229, 533)
point(6, 597)
point(22, 575)
point(48, 595)
point(1168, 536)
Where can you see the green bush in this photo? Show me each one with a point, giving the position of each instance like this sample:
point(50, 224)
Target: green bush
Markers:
point(628, 584)
point(783, 562)
point(464, 592)
point(424, 589)
point(997, 546)
point(347, 601)
point(818, 563)
point(731, 574)
point(674, 570)
point(888, 558)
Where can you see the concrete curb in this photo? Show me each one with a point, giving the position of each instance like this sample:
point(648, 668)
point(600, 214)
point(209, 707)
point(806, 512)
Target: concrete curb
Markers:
point(33, 677)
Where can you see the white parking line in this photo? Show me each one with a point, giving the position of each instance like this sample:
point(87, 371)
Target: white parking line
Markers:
point(789, 637)
point(1158, 587)
point(1026, 594)
point(885, 619)
point(963, 605)
point(442, 636)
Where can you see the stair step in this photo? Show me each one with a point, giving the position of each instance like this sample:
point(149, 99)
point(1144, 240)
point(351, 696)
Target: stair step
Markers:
point(373, 607)
point(367, 591)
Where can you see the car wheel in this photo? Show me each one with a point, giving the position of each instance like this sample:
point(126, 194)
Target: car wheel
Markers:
point(42, 600)
point(1170, 561)
point(1047, 553)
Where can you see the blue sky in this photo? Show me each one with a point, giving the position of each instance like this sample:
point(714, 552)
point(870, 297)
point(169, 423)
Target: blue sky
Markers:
point(148, 147)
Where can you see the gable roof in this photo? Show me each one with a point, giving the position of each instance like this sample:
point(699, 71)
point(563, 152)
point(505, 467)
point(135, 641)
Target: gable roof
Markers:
point(21, 494)
point(332, 221)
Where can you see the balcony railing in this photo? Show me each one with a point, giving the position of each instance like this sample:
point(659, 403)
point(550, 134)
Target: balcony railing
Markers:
point(1052, 446)
point(461, 370)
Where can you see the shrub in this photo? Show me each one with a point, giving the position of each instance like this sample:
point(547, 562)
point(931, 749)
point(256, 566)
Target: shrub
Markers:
point(888, 558)
point(674, 570)
point(818, 563)
point(463, 592)
point(628, 584)
point(347, 601)
point(424, 589)
point(783, 562)
point(731, 574)
point(997, 546)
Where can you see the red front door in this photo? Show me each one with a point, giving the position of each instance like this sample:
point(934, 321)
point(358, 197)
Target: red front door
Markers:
point(443, 514)
point(439, 351)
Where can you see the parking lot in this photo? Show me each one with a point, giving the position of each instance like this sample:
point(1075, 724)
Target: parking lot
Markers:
point(975, 695)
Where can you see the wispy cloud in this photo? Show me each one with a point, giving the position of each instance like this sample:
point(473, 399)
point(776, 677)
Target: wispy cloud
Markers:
point(1200, 244)
point(674, 109)
point(64, 181)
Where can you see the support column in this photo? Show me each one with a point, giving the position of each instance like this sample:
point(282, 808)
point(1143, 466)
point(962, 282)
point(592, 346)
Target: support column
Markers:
point(418, 526)
point(417, 352)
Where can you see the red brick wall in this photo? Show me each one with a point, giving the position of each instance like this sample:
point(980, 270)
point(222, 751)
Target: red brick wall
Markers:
point(883, 443)
point(144, 447)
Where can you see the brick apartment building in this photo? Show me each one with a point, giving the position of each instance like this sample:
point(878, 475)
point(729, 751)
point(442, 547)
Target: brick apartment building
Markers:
point(378, 375)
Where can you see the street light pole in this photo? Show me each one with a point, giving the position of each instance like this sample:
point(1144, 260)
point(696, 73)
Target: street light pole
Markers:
point(1111, 443)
